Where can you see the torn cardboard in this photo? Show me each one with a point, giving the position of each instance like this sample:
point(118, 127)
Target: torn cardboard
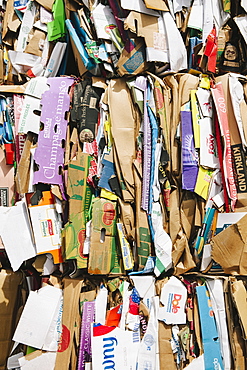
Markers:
point(224, 251)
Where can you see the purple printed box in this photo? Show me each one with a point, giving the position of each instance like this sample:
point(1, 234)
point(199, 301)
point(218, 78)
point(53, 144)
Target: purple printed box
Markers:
point(49, 156)
point(189, 154)
point(85, 352)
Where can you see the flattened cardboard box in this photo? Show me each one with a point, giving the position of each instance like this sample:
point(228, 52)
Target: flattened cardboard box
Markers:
point(49, 155)
point(9, 284)
point(229, 248)
point(79, 203)
point(46, 227)
point(132, 60)
point(103, 252)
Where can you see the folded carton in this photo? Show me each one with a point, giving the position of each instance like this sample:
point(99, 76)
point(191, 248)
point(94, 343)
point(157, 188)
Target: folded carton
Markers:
point(143, 234)
point(30, 118)
point(71, 312)
point(79, 203)
point(215, 287)
point(19, 139)
point(173, 297)
point(147, 26)
point(103, 237)
point(133, 58)
point(23, 168)
point(114, 348)
point(50, 152)
point(17, 216)
point(46, 226)
point(85, 110)
point(85, 352)
point(236, 106)
point(229, 248)
point(235, 298)
point(10, 283)
point(210, 335)
point(45, 304)
point(234, 330)
point(123, 117)
point(165, 350)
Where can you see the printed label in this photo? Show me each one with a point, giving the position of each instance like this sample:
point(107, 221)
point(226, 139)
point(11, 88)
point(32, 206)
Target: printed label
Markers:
point(64, 339)
point(46, 228)
point(85, 353)
point(173, 302)
point(109, 214)
point(211, 145)
point(240, 168)
point(92, 102)
point(108, 352)
point(4, 197)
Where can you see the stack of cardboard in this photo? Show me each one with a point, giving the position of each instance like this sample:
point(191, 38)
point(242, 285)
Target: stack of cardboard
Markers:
point(123, 184)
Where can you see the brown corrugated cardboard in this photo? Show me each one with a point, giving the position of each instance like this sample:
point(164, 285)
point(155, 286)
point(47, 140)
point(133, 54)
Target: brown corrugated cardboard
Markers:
point(143, 236)
point(123, 127)
point(11, 21)
point(239, 295)
point(163, 105)
point(231, 258)
point(80, 199)
point(47, 4)
point(174, 163)
point(127, 217)
point(235, 333)
point(9, 300)
point(143, 25)
point(165, 350)
point(22, 174)
point(103, 237)
point(157, 5)
point(36, 43)
point(72, 290)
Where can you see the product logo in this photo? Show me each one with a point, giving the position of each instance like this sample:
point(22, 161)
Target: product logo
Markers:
point(149, 341)
point(173, 303)
point(64, 339)
point(81, 236)
point(240, 168)
point(50, 227)
point(108, 353)
point(47, 227)
point(210, 144)
point(216, 364)
point(109, 214)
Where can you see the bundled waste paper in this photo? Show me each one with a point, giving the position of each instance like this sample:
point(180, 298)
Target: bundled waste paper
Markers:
point(123, 184)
